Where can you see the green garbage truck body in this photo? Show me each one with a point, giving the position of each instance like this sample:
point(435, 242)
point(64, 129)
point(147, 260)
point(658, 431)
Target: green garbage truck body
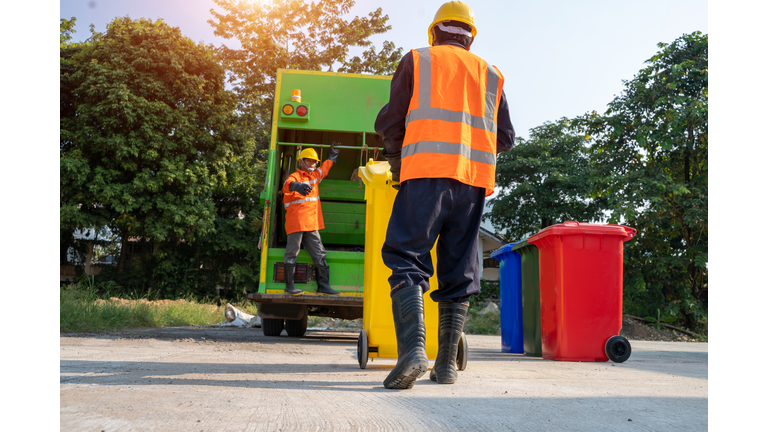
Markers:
point(333, 108)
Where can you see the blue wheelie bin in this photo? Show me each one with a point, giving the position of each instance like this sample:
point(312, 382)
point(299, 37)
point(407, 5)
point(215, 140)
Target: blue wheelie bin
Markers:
point(510, 291)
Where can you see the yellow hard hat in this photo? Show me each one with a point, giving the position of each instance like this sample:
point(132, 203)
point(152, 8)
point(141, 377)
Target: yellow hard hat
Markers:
point(309, 154)
point(454, 11)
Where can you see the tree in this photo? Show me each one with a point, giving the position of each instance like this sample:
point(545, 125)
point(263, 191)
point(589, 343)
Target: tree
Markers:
point(293, 34)
point(383, 62)
point(67, 67)
point(147, 133)
point(543, 181)
point(650, 156)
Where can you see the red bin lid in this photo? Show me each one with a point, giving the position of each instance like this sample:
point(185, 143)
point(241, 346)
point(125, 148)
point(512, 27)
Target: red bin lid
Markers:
point(573, 227)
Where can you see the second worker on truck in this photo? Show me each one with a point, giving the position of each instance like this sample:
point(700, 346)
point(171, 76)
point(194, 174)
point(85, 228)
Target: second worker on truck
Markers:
point(304, 218)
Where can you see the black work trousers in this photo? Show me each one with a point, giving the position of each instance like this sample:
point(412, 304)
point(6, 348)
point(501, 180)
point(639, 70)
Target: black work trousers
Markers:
point(429, 210)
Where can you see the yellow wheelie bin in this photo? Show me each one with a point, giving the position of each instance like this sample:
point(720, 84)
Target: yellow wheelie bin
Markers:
point(378, 339)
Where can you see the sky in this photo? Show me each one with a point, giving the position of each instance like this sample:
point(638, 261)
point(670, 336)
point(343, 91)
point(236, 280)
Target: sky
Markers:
point(559, 58)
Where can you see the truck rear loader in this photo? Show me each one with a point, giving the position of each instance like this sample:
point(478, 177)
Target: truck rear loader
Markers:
point(313, 110)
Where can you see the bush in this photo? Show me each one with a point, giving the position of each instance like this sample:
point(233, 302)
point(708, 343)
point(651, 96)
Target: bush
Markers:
point(489, 290)
point(488, 323)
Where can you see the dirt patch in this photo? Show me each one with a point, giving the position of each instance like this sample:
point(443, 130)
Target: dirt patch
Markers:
point(635, 329)
point(336, 324)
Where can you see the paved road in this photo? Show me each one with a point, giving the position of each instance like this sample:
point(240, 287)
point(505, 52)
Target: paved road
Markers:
point(229, 379)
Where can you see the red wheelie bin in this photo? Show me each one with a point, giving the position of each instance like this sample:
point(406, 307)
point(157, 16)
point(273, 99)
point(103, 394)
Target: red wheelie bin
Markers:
point(581, 287)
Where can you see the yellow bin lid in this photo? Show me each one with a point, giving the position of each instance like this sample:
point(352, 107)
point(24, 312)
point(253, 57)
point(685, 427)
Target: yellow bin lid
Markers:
point(376, 174)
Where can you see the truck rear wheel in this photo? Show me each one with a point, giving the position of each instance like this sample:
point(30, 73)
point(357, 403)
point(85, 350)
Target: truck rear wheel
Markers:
point(296, 328)
point(272, 326)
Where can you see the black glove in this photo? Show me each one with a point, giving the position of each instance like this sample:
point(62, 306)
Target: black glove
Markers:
point(394, 165)
point(302, 188)
point(334, 155)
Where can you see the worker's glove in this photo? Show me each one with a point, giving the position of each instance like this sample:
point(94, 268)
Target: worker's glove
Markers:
point(301, 188)
point(334, 156)
point(394, 165)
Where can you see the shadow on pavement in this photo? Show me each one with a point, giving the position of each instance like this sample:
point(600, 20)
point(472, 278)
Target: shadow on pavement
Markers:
point(223, 334)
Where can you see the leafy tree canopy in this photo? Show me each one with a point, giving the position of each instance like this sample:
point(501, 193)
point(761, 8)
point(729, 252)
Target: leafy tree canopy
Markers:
point(293, 34)
point(543, 180)
point(147, 132)
point(649, 152)
point(66, 29)
point(383, 62)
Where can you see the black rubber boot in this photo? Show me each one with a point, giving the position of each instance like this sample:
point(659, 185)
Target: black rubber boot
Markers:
point(412, 362)
point(323, 286)
point(452, 317)
point(290, 288)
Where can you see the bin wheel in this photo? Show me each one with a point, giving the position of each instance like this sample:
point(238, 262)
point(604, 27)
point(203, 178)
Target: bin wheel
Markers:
point(362, 349)
point(272, 326)
point(296, 328)
point(618, 349)
point(463, 353)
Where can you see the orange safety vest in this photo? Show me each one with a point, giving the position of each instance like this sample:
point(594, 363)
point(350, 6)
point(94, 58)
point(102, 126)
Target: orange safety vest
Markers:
point(303, 213)
point(450, 129)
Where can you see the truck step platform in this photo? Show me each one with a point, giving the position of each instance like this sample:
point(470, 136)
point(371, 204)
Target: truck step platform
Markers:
point(312, 299)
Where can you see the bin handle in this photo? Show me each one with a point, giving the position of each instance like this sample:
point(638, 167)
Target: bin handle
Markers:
point(630, 232)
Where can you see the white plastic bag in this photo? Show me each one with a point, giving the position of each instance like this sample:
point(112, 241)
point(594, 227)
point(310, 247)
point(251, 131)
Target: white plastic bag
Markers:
point(234, 317)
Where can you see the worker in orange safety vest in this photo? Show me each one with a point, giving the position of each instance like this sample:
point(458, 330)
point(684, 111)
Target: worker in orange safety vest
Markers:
point(304, 218)
point(446, 120)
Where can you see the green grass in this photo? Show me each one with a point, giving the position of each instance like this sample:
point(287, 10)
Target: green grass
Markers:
point(83, 311)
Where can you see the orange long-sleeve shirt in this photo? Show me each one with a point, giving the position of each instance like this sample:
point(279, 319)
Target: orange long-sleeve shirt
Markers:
point(303, 213)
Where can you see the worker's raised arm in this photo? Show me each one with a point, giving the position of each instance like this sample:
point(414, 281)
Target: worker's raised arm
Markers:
point(322, 171)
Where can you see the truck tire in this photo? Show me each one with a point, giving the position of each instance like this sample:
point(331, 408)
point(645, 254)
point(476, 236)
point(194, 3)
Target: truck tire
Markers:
point(272, 326)
point(296, 328)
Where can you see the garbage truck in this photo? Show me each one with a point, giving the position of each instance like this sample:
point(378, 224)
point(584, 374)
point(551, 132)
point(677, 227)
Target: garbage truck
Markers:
point(314, 110)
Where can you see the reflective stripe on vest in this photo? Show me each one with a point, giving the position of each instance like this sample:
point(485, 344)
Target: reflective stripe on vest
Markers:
point(451, 149)
point(451, 125)
point(299, 201)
